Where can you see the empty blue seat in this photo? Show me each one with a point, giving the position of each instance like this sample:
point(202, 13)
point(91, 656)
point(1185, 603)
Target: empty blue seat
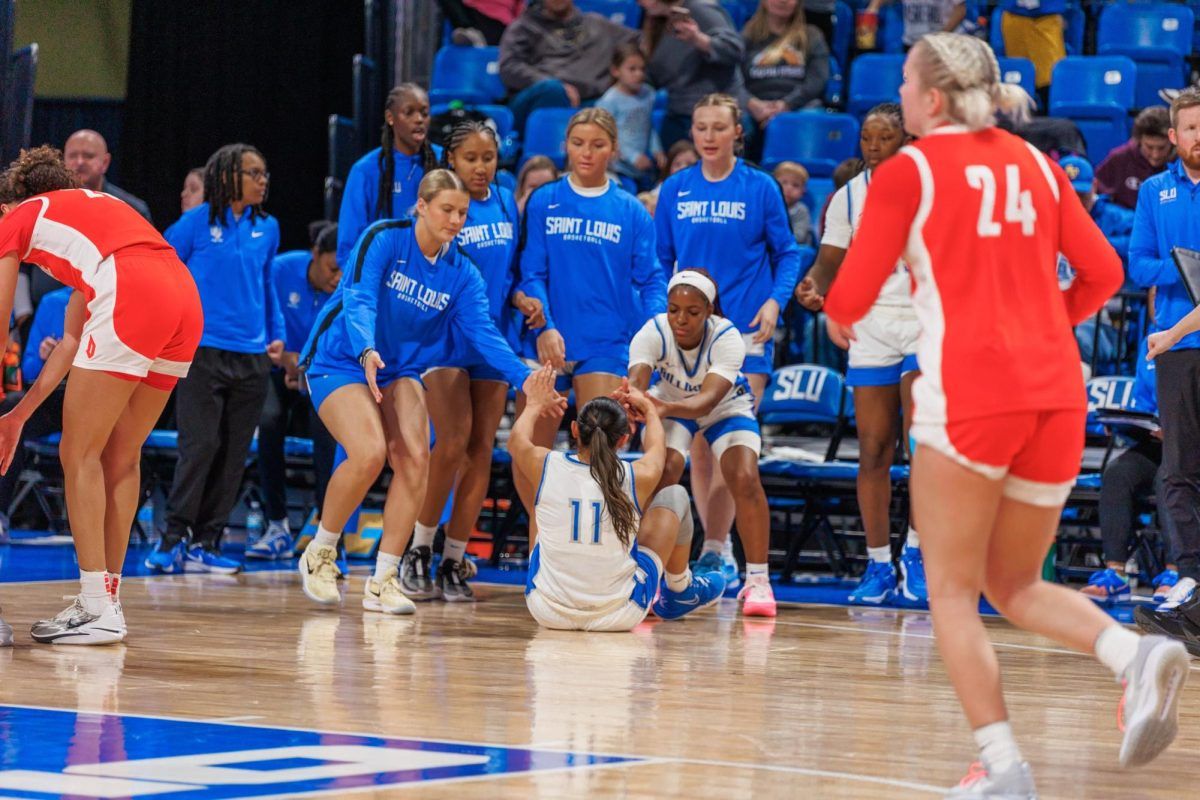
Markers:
point(1093, 87)
point(818, 190)
point(1019, 71)
point(817, 139)
point(469, 74)
point(843, 32)
point(738, 10)
point(801, 393)
point(622, 12)
point(890, 38)
point(874, 78)
point(1157, 36)
point(545, 134)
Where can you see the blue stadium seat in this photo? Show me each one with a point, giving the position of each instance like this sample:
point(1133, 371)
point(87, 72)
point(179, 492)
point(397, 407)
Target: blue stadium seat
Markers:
point(501, 115)
point(818, 190)
point(1157, 36)
point(545, 134)
point(874, 78)
point(622, 12)
point(843, 32)
point(890, 38)
point(802, 393)
point(995, 32)
point(738, 10)
point(1097, 93)
point(1019, 71)
point(1107, 393)
point(469, 74)
point(817, 139)
point(835, 85)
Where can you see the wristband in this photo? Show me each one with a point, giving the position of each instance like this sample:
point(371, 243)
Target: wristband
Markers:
point(362, 357)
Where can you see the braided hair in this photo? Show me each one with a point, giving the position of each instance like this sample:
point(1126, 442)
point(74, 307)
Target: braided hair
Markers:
point(36, 171)
point(602, 423)
point(965, 70)
point(463, 131)
point(387, 144)
point(223, 181)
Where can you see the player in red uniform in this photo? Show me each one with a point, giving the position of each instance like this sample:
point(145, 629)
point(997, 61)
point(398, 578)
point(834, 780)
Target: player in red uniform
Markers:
point(980, 216)
point(133, 324)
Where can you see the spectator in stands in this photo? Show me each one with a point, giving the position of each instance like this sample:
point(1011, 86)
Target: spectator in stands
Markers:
point(1122, 172)
point(44, 335)
point(1168, 216)
point(383, 183)
point(681, 155)
point(1114, 221)
point(228, 243)
point(786, 64)
point(694, 52)
point(926, 16)
point(535, 172)
point(478, 23)
point(1128, 480)
point(631, 102)
point(193, 190)
point(1033, 29)
point(793, 179)
point(302, 281)
point(556, 56)
point(86, 153)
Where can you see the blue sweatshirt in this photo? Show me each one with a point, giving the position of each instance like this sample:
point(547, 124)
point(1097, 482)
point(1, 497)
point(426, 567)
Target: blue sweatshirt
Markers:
point(299, 300)
point(737, 229)
point(1145, 383)
point(1115, 222)
point(361, 194)
point(489, 239)
point(590, 260)
point(49, 320)
point(393, 300)
point(1167, 215)
point(231, 264)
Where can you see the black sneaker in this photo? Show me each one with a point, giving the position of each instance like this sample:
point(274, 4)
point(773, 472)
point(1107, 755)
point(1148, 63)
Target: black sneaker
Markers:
point(415, 580)
point(1181, 624)
point(452, 577)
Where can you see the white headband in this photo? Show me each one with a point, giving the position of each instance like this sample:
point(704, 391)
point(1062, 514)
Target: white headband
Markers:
point(695, 280)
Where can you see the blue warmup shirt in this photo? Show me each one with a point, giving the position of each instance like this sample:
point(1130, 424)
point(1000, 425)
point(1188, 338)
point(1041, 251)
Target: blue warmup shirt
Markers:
point(393, 300)
point(1034, 8)
point(361, 194)
point(1145, 383)
point(489, 239)
point(299, 300)
point(1167, 215)
point(738, 230)
point(49, 320)
point(1115, 222)
point(590, 260)
point(231, 264)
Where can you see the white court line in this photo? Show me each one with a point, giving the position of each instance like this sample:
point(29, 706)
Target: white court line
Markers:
point(816, 773)
point(227, 720)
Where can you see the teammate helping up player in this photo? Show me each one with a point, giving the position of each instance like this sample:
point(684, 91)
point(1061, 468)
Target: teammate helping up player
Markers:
point(698, 356)
point(980, 216)
point(592, 566)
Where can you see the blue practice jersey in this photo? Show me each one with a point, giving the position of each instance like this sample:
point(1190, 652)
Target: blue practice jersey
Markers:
point(590, 260)
point(737, 229)
point(489, 239)
point(392, 299)
point(299, 300)
point(361, 195)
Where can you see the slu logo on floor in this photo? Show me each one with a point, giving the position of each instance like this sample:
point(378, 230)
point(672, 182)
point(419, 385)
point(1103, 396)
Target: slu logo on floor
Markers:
point(55, 754)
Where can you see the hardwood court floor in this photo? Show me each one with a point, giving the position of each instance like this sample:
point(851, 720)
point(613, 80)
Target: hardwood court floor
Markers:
point(822, 703)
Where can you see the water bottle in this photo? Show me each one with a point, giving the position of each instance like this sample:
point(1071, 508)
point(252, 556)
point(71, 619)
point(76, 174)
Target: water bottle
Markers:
point(254, 522)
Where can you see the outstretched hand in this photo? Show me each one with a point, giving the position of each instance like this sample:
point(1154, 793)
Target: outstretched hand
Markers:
point(637, 403)
point(541, 395)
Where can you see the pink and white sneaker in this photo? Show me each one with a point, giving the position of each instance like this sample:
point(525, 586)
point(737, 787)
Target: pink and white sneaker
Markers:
point(758, 600)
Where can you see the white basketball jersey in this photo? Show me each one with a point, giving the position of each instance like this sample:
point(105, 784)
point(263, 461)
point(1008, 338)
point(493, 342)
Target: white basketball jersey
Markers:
point(579, 564)
point(841, 226)
point(682, 372)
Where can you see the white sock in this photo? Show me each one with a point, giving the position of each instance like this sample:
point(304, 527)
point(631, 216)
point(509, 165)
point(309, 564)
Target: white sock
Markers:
point(677, 583)
point(712, 546)
point(913, 539)
point(384, 562)
point(727, 547)
point(757, 571)
point(326, 537)
point(881, 554)
point(1116, 648)
point(93, 591)
point(423, 535)
point(453, 550)
point(997, 746)
point(112, 582)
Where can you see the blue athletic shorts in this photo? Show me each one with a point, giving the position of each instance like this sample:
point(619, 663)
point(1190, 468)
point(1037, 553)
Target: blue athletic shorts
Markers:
point(609, 365)
point(322, 385)
point(762, 364)
point(881, 376)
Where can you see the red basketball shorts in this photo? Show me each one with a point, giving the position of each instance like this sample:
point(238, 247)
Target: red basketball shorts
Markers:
point(144, 320)
point(1036, 453)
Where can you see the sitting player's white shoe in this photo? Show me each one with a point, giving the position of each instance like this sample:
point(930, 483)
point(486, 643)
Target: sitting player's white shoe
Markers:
point(386, 596)
point(319, 573)
point(75, 625)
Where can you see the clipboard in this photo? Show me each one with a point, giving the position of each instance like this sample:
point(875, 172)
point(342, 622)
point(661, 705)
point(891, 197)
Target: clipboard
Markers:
point(1188, 263)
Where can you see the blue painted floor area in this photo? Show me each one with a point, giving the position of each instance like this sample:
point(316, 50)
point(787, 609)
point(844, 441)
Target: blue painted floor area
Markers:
point(50, 753)
point(39, 556)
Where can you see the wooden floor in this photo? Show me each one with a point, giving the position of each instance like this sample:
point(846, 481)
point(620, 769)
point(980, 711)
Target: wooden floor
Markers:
point(822, 703)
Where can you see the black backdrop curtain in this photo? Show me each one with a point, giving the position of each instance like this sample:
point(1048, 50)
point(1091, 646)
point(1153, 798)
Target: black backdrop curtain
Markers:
point(265, 72)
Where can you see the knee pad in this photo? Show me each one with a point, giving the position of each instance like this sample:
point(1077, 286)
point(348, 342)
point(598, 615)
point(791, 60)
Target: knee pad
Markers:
point(675, 499)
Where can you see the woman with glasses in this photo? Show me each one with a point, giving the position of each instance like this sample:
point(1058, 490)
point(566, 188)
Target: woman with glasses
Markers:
point(228, 243)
